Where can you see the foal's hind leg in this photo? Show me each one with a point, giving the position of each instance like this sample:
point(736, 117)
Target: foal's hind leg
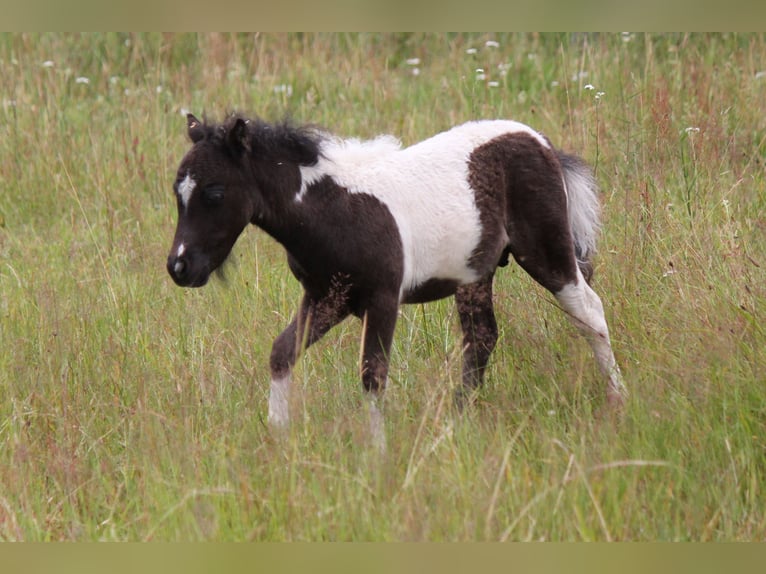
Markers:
point(543, 248)
point(562, 277)
point(587, 313)
point(477, 320)
point(314, 319)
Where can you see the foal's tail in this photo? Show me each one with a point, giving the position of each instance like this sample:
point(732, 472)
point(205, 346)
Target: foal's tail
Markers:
point(584, 209)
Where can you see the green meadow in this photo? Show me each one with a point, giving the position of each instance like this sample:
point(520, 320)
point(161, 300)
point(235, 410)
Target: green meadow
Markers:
point(133, 410)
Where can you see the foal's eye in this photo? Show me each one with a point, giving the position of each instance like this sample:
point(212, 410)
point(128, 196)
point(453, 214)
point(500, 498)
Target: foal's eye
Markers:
point(213, 195)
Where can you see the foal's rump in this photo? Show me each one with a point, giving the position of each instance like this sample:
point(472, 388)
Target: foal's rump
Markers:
point(500, 188)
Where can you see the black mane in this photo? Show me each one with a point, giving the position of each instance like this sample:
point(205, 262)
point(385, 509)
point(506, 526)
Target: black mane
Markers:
point(281, 141)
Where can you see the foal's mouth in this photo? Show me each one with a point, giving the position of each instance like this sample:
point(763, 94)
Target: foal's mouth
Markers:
point(195, 282)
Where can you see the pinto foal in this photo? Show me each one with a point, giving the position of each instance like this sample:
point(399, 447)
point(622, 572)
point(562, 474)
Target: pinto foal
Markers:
point(369, 225)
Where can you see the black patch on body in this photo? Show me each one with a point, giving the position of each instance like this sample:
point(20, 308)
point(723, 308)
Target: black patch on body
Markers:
point(523, 209)
point(336, 236)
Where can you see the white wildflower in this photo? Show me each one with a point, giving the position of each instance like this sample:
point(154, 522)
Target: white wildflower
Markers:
point(235, 71)
point(599, 95)
point(413, 61)
point(286, 89)
point(82, 80)
point(48, 64)
point(471, 51)
point(761, 74)
point(492, 44)
point(493, 84)
point(415, 71)
point(692, 130)
point(588, 87)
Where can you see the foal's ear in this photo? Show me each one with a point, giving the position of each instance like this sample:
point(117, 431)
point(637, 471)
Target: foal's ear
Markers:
point(238, 136)
point(196, 133)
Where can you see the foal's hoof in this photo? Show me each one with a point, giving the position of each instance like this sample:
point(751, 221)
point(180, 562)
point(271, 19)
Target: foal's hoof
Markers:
point(616, 399)
point(614, 407)
point(464, 397)
point(377, 427)
point(278, 426)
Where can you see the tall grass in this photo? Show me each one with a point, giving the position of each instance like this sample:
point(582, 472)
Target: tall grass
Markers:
point(134, 410)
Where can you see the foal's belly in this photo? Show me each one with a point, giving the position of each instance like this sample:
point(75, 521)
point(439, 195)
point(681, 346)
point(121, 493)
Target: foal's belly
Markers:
point(430, 290)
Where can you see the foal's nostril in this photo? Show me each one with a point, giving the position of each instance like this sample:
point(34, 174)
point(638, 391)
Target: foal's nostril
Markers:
point(177, 267)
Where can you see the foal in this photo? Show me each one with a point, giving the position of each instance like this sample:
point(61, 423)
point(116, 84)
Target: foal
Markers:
point(369, 225)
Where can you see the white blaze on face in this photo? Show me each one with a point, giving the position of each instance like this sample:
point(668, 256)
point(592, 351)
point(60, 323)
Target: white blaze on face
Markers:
point(185, 189)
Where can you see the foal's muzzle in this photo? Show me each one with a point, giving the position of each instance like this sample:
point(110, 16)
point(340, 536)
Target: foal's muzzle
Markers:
point(181, 270)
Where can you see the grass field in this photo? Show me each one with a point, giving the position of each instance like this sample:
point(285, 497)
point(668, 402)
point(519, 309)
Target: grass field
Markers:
point(131, 409)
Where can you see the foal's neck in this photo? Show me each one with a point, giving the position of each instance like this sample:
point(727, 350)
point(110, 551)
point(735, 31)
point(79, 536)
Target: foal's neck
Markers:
point(276, 187)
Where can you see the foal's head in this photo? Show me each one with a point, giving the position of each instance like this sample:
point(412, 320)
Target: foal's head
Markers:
point(234, 173)
point(214, 205)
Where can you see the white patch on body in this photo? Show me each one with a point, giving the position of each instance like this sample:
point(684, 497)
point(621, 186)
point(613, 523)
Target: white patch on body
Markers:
point(185, 189)
point(279, 415)
point(425, 187)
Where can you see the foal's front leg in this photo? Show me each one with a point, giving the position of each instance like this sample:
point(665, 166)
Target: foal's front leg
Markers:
point(378, 333)
point(316, 316)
